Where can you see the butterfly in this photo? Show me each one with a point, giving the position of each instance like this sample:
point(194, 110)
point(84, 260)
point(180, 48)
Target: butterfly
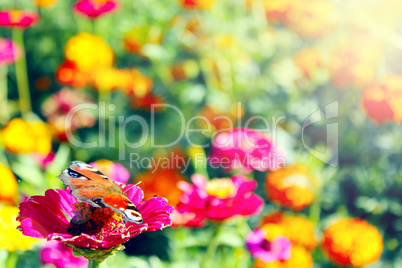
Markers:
point(91, 186)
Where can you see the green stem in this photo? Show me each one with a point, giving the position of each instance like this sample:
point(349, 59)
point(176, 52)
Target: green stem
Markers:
point(22, 75)
point(211, 249)
point(12, 260)
point(4, 113)
point(315, 208)
point(94, 264)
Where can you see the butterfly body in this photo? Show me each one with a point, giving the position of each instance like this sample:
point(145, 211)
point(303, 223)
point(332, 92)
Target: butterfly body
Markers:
point(91, 186)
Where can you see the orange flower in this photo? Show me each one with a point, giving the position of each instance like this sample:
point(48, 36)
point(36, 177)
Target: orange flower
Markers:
point(185, 70)
point(276, 10)
point(69, 74)
point(197, 4)
point(309, 61)
point(308, 18)
point(352, 242)
point(382, 100)
point(8, 186)
point(299, 230)
point(354, 61)
point(45, 3)
point(291, 187)
point(21, 137)
point(141, 85)
point(162, 181)
point(301, 258)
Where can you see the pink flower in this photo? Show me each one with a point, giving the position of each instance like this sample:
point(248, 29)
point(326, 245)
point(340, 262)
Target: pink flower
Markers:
point(114, 171)
point(95, 8)
point(57, 216)
point(18, 18)
point(56, 107)
point(268, 251)
point(187, 219)
point(219, 199)
point(9, 52)
point(245, 149)
point(44, 160)
point(61, 256)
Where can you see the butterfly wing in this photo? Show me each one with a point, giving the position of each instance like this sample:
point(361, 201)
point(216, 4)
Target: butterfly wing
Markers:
point(88, 183)
point(123, 205)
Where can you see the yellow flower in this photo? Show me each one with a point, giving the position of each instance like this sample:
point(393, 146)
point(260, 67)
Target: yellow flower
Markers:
point(45, 3)
point(301, 258)
point(299, 230)
point(221, 188)
point(8, 186)
point(107, 79)
point(352, 242)
point(311, 18)
point(291, 187)
point(197, 4)
point(21, 137)
point(88, 52)
point(309, 61)
point(12, 239)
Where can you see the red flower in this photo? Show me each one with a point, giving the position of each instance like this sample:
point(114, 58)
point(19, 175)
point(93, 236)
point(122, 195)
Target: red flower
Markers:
point(18, 18)
point(95, 8)
point(219, 199)
point(58, 216)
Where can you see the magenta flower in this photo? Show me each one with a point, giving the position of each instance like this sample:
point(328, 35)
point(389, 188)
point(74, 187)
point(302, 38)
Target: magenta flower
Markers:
point(18, 18)
point(114, 171)
point(268, 251)
point(60, 256)
point(95, 8)
point(9, 52)
point(247, 150)
point(57, 216)
point(219, 199)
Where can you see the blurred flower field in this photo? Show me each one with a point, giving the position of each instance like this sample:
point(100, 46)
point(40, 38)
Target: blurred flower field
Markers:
point(245, 133)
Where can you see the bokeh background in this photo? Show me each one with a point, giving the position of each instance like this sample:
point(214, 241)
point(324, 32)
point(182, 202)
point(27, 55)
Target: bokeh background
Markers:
point(236, 58)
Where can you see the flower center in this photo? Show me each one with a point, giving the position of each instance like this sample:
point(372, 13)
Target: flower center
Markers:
point(100, 222)
point(15, 16)
point(221, 188)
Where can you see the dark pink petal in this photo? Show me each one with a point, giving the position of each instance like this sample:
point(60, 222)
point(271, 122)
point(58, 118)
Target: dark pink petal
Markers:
point(134, 193)
point(42, 215)
point(93, 8)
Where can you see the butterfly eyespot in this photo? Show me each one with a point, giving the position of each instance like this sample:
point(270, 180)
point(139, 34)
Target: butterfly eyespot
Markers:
point(74, 174)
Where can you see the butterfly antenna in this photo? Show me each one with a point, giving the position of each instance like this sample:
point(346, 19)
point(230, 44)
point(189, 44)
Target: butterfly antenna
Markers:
point(134, 170)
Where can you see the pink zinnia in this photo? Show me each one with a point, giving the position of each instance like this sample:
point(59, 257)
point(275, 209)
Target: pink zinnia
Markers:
point(246, 150)
point(268, 251)
point(59, 255)
point(9, 51)
point(58, 216)
point(219, 199)
point(114, 171)
point(18, 18)
point(95, 8)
